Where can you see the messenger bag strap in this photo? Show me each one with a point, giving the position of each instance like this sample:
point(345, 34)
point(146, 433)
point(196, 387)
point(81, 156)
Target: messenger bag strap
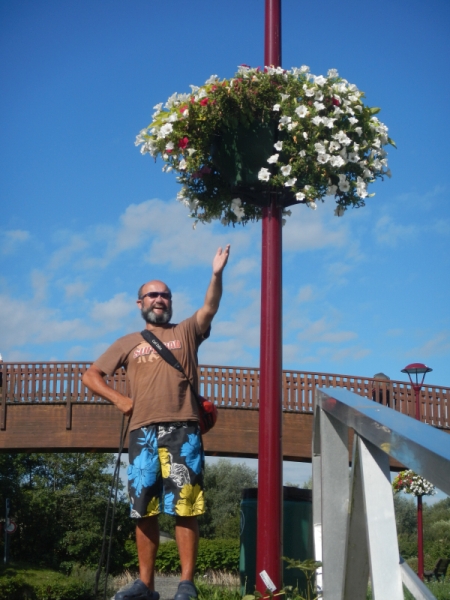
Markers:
point(167, 355)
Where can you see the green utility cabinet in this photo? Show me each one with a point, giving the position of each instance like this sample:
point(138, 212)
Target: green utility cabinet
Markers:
point(297, 535)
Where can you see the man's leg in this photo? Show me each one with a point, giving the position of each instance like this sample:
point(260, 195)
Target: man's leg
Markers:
point(147, 542)
point(186, 534)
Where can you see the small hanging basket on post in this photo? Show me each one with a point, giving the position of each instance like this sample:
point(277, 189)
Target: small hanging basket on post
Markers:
point(235, 142)
point(411, 483)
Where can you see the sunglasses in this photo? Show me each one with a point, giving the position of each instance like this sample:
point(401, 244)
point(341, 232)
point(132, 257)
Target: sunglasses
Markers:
point(154, 295)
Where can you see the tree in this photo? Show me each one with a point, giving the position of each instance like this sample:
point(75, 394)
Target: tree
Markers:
point(59, 503)
point(224, 483)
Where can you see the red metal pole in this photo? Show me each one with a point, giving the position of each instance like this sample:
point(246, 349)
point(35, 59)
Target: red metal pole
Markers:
point(419, 538)
point(417, 389)
point(269, 544)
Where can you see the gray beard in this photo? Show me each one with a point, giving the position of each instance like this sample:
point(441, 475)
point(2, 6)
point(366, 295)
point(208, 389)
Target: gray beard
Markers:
point(150, 317)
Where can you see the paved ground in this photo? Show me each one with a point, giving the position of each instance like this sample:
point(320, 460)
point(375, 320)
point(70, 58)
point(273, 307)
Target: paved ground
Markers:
point(165, 585)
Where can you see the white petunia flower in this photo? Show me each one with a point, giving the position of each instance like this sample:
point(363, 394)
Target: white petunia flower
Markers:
point(331, 190)
point(353, 157)
point(264, 174)
point(323, 158)
point(273, 159)
point(339, 211)
point(276, 107)
point(317, 120)
point(284, 97)
point(332, 73)
point(334, 146)
point(342, 138)
point(278, 146)
point(165, 130)
point(236, 207)
point(302, 153)
point(353, 120)
point(328, 122)
point(173, 117)
point(320, 80)
point(286, 170)
point(158, 107)
point(285, 120)
point(305, 135)
point(320, 148)
point(337, 161)
point(191, 151)
point(212, 79)
point(312, 205)
point(290, 182)
point(300, 196)
point(319, 105)
point(308, 90)
point(170, 146)
point(301, 111)
point(182, 165)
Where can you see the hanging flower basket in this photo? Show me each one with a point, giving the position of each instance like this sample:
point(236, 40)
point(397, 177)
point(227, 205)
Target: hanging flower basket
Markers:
point(235, 142)
point(411, 483)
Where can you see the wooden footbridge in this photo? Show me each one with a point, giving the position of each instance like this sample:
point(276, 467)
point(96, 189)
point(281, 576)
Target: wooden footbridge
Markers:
point(45, 407)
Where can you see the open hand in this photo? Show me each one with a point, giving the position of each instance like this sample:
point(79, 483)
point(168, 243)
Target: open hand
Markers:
point(221, 259)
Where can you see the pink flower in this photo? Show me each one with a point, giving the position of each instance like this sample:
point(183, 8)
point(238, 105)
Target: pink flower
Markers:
point(204, 101)
point(183, 108)
point(183, 143)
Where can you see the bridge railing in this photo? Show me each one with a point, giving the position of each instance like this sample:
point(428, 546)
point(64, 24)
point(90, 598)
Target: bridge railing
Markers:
point(354, 520)
point(236, 387)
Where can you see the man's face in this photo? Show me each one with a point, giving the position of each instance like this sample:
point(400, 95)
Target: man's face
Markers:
point(156, 309)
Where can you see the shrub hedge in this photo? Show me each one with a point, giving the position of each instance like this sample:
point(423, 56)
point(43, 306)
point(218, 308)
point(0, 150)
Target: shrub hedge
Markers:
point(217, 555)
point(57, 587)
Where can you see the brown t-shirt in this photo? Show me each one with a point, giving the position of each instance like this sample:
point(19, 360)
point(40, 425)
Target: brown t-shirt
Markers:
point(160, 393)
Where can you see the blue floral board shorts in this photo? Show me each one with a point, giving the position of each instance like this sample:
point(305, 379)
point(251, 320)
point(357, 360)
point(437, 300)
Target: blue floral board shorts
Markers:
point(166, 467)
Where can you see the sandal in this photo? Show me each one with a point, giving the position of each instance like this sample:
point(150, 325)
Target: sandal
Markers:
point(186, 591)
point(138, 591)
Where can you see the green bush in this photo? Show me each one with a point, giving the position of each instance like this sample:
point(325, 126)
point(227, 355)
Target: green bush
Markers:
point(216, 555)
point(23, 583)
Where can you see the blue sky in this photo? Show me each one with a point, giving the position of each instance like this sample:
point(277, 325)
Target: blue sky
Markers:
point(86, 219)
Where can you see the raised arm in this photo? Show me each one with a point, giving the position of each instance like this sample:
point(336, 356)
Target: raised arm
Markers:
point(94, 380)
point(214, 292)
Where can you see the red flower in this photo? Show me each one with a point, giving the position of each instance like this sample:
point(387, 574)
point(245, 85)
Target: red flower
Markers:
point(335, 102)
point(183, 143)
point(183, 108)
point(204, 101)
point(214, 88)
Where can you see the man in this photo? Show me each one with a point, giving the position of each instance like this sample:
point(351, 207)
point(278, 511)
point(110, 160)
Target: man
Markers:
point(165, 448)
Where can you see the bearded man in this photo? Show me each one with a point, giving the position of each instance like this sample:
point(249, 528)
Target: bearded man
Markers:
point(165, 449)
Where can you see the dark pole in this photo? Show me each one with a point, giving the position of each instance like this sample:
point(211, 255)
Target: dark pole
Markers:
point(270, 464)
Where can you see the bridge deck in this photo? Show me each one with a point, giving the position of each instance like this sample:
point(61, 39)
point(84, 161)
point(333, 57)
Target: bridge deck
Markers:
point(45, 407)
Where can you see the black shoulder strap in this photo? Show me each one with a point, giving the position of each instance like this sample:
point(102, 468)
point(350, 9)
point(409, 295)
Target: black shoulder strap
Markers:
point(162, 350)
point(167, 355)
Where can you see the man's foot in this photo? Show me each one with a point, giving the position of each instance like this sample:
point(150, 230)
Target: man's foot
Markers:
point(186, 591)
point(138, 591)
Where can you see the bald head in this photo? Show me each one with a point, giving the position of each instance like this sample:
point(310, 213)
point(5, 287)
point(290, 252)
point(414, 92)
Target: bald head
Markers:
point(154, 285)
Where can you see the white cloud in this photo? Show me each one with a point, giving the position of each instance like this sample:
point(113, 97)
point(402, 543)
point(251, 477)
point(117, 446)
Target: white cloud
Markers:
point(12, 239)
point(389, 234)
point(75, 290)
point(305, 294)
point(113, 312)
point(311, 230)
point(438, 345)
